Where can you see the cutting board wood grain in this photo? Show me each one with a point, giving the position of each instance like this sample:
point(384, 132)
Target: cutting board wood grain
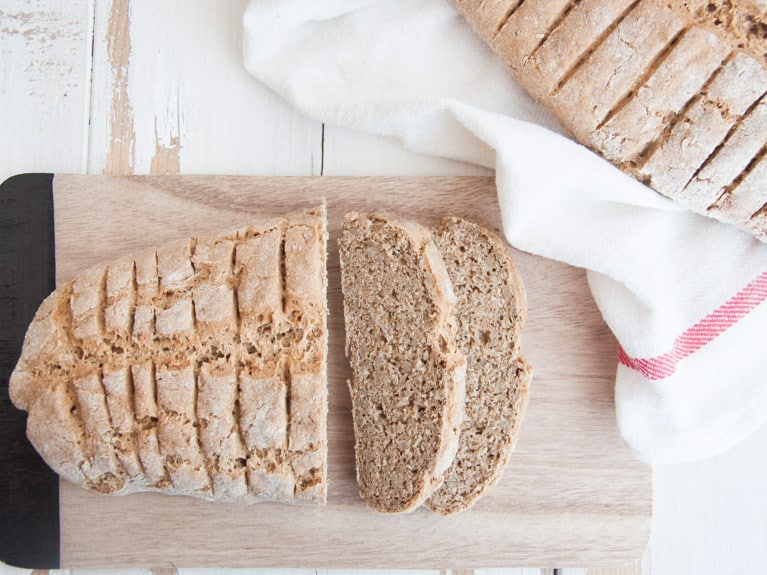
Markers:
point(571, 495)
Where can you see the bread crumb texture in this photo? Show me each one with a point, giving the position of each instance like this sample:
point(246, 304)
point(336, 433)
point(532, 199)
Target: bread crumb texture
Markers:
point(198, 368)
point(673, 93)
point(490, 315)
point(439, 387)
point(408, 378)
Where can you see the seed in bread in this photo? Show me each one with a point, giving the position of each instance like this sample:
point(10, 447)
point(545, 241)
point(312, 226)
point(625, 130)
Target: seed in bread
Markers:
point(408, 376)
point(490, 315)
point(196, 369)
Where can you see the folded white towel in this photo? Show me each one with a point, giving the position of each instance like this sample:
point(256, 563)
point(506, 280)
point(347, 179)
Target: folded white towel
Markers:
point(682, 293)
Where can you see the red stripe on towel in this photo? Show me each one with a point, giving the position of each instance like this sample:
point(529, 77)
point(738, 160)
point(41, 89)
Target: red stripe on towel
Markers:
point(694, 338)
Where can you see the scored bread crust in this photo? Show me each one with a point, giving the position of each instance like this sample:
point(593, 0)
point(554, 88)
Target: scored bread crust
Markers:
point(673, 93)
point(198, 368)
point(490, 315)
point(408, 377)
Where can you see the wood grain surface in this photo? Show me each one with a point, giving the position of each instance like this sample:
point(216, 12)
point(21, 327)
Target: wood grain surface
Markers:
point(571, 495)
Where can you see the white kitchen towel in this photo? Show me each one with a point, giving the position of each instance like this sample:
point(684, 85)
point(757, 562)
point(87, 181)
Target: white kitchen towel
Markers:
point(683, 294)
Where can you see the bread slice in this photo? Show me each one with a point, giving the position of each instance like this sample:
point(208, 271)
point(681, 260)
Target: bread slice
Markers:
point(199, 368)
point(408, 377)
point(490, 314)
point(670, 92)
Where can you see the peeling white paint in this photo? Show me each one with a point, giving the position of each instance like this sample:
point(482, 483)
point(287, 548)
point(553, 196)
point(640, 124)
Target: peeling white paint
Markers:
point(44, 58)
point(52, 42)
point(122, 136)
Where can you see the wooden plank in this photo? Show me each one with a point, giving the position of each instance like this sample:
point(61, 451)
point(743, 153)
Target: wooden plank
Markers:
point(170, 95)
point(44, 65)
point(630, 569)
point(727, 528)
point(512, 571)
point(597, 512)
point(634, 568)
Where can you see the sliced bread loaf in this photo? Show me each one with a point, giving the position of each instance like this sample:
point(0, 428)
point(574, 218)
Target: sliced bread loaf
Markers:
point(197, 369)
point(490, 314)
point(408, 376)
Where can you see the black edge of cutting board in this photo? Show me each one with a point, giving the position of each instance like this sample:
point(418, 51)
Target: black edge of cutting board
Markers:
point(29, 490)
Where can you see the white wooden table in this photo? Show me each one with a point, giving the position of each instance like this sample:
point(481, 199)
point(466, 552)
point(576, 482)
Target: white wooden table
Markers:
point(154, 87)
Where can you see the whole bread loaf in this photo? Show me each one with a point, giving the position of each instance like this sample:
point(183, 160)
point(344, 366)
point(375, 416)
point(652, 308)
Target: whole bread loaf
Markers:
point(198, 368)
point(673, 93)
point(408, 376)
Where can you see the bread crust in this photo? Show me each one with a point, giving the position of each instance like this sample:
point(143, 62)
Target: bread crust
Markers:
point(198, 368)
point(641, 82)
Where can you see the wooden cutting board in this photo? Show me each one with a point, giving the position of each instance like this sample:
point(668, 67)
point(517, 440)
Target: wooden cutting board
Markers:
point(571, 495)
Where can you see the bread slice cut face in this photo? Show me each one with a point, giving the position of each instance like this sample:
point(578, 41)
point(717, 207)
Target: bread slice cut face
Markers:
point(433, 333)
point(408, 375)
point(490, 315)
